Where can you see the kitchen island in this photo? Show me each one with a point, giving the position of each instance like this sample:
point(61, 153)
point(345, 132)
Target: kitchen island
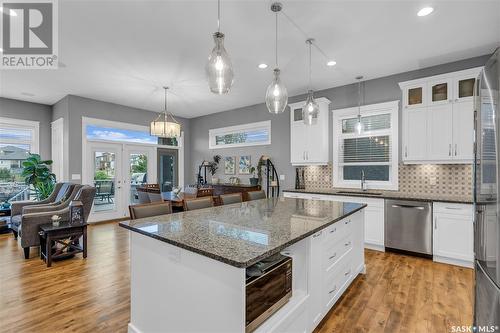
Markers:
point(188, 270)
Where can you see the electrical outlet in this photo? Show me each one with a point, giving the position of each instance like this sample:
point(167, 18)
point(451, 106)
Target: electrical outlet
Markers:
point(432, 181)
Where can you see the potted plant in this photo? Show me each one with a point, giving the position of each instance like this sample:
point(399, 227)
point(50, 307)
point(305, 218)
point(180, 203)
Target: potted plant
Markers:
point(253, 180)
point(213, 166)
point(36, 172)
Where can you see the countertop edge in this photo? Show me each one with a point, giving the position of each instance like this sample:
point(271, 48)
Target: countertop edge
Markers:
point(383, 196)
point(234, 263)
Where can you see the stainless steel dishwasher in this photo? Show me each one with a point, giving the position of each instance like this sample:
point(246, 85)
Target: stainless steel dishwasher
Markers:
point(408, 226)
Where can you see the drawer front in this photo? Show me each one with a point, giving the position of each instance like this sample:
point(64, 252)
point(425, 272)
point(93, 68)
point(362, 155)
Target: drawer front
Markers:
point(453, 208)
point(336, 279)
point(338, 230)
point(335, 251)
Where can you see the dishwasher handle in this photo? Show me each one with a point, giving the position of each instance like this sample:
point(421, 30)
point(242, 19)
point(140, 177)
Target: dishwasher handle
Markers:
point(408, 206)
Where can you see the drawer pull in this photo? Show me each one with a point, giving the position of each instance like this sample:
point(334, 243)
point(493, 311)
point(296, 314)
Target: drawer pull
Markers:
point(333, 230)
point(347, 222)
point(348, 243)
point(347, 273)
point(318, 234)
point(453, 208)
point(334, 255)
point(333, 290)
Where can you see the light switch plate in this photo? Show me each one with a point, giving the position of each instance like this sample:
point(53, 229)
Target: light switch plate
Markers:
point(282, 177)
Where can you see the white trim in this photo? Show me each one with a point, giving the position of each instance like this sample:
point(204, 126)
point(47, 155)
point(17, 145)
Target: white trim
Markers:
point(34, 126)
point(366, 110)
point(59, 163)
point(264, 125)
point(471, 71)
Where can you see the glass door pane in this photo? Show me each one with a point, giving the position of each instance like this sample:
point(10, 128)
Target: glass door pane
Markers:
point(466, 88)
point(138, 174)
point(440, 92)
point(168, 172)
point(104, 180)
point(415, 96)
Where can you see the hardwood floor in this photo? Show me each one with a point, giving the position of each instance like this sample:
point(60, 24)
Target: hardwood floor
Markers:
point(398, 293)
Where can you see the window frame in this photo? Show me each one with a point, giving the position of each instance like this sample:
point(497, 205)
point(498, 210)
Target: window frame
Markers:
point(367, 110)
point(33, 126)
point(261, 125)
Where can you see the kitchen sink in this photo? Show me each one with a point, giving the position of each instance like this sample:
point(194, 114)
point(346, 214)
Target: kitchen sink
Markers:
point(359, 192)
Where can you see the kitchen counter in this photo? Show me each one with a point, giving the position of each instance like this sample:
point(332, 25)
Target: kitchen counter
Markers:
point(242, 234)
point(349, 192)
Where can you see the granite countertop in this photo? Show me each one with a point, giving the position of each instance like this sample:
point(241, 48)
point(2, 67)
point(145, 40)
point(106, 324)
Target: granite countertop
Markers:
point(230, 184)
point(387, 195)
point(242, 234)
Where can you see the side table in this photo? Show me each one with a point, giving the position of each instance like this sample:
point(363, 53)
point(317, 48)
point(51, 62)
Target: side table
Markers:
point(4, 220)
point(65, 234)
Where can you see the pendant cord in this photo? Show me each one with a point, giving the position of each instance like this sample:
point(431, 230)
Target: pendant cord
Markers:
point(218, 15)
point(276, 39)
point(359, 97)
point(310, 66)
point(165, 102)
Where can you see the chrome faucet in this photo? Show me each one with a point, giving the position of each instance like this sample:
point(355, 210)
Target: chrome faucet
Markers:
point(363, 181)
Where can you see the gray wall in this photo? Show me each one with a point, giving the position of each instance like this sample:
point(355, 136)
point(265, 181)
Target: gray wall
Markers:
point(12, 108)
point(73, 108)
point(375, 91)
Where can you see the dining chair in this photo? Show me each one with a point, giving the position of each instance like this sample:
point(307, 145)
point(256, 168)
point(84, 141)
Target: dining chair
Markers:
point(143, 197)
point(155, 195)
point(226, 199)
point(204, 192)
point(198, 203)
point(149, 209)
point(256, 195)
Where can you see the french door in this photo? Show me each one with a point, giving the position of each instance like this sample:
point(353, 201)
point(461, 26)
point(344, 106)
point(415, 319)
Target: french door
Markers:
point(116, 170)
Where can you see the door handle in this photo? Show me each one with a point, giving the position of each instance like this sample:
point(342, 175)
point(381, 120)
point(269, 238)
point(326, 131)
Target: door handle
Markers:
point(435, 223)
point(455, 149)
point(449, 150)
point(334, 255)
point(408, 206)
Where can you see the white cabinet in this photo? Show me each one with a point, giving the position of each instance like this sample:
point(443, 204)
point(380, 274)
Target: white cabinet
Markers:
point(374, 215)
point(453, 234)
point(315, 307)
point(309, 143)
point(415, 134)
point(440, 132)
point(438, 126)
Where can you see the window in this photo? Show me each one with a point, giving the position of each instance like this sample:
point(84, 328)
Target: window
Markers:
point(252, 134)
point(374, 152)
point(95, 132)
point(18, 138)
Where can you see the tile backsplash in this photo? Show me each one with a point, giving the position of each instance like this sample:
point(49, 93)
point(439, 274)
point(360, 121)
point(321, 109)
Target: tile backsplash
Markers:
point(436, 179)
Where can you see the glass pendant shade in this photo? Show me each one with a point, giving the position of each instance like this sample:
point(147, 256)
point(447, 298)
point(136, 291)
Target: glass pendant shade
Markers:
point(276, 95)
point(163, 128)
point(219, 68)
point(310, 110)
point(359, 125)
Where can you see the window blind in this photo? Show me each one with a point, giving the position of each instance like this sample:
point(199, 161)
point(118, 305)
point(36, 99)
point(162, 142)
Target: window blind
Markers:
point(372, 150)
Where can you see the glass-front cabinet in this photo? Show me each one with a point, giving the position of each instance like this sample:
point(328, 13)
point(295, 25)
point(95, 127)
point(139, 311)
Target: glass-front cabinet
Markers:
point(464, 88)
point(414, 96)
point(440, 92)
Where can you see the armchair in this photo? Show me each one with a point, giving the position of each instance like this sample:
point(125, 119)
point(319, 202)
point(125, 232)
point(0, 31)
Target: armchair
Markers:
point(57, 195)
point(33, 217)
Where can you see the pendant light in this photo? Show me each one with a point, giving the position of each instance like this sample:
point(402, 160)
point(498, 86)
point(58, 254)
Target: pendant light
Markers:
point(219, 69)
point(310, 110)
point(359, 124)
point(162, 127)
point(276, 94)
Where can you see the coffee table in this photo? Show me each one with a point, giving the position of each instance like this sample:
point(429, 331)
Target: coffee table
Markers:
point(66, 235)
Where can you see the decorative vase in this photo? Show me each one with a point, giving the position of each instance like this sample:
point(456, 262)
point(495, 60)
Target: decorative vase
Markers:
point(55, 220)
point(254, 181)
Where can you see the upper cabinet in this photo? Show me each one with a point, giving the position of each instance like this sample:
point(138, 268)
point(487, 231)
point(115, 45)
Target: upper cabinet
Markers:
point(309, 143)
point(438, 118)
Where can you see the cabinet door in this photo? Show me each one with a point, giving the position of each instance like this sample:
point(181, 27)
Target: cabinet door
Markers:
point(414, 96)
point(439, 92)
point(440, 132)
point(415, 134)
point(463, 130)
point(316, 144)
point(453, 236)
point(374, 226)
point(463, 88)
point(298, 137)
point(316, 279)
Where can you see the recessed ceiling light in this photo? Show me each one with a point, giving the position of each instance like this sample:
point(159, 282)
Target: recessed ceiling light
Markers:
point(425, 11)
point(331, 63)
point(262, 66)
point(10, 12)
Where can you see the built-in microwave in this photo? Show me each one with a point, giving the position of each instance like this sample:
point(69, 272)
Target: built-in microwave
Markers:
point(268, 288)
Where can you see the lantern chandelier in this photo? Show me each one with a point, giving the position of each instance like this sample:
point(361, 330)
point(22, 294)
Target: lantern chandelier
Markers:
point(162, 127)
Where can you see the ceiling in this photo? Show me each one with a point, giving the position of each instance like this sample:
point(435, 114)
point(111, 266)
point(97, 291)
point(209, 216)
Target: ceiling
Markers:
point(125, 51)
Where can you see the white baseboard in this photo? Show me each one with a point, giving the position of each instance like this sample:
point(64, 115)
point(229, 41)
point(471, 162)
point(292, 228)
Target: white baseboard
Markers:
point(132, 328)
point(375, 247)
point(451, 261)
